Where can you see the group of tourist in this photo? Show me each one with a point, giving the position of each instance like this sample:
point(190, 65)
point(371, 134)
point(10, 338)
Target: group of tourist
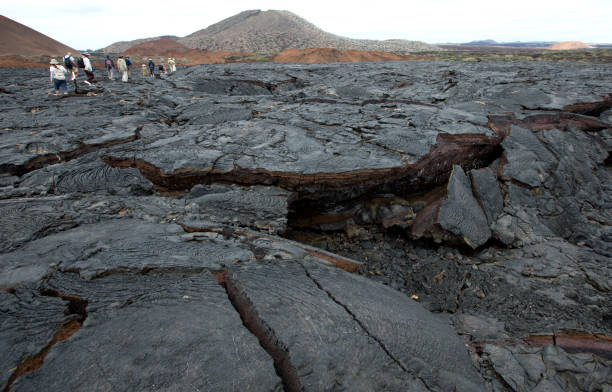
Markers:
point(70, 67)
point(149, 69)
point(59, 71)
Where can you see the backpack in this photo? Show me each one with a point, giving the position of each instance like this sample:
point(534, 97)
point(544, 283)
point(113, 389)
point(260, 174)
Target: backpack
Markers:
point(128, 61)
point(80, 62)
point(109, 63)
point(68, 62)
point(58, 74)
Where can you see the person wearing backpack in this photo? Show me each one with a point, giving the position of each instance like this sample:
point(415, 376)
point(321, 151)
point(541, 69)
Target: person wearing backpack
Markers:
point(71, 66)
point(122, 67)
point(152, 68)
point(80, 63)
point(58, 76)
point(110, 66)
point(87, 67)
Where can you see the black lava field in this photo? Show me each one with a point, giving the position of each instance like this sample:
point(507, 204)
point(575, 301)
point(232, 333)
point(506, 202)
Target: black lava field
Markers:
point(405, 226)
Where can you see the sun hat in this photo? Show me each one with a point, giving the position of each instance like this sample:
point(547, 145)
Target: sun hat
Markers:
point(85, 54)
point(53, 61)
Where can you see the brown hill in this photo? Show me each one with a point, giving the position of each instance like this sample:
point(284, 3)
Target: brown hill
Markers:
point(270, 32)
point(160, 47)
point(569, 45)
point(122, 46)
point(168, 47)
point(218, 57)
point(18, 39)
point(329, 55)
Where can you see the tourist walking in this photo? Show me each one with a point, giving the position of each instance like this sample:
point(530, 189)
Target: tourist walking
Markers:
point(110, 66)
point(152, 67)
point(122, 67)
point(71, 66)
point(58, 76)
point(171, 65)
point(88, 68)
point(129, 63)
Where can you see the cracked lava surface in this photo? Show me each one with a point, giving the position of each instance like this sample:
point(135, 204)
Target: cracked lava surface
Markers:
point(421, 226)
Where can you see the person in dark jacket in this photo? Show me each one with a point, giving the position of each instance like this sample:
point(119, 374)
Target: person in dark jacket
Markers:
point(152, 67)
point(110, 66)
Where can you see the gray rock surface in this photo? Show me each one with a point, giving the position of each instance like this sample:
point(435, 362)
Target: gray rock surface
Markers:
point(332, 351)
point(479, 192)
point(177, 331)
point(548, 369)
point(442, 363)
point(488, 193)
point(28, 323)
point(529, 162)
point(460, 212)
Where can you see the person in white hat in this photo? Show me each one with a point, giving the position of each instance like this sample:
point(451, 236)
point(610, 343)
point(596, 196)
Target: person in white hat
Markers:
point(88, 68)
point(58, 77)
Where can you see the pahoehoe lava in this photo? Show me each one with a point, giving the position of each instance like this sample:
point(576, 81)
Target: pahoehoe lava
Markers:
point(423, 226)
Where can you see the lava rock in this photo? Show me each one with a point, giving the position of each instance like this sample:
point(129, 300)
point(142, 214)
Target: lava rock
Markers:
point(289, 308)
point(159, 330)
point(528, 160)
point(488, 192)
point(461, 214)
point(121, 201)
point(29, 322)
point(99, 249)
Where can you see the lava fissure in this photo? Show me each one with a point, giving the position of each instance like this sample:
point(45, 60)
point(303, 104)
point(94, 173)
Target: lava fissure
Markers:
point(364, 328)
point(42, 161)
point(575, 342)
point(76, 306)
point(315, 214)
point(262, 331)
point(36, 361)
point(593, 109)
point(467, 150)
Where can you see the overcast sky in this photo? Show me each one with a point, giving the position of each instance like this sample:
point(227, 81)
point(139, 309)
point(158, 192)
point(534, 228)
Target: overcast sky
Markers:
point(93, 24)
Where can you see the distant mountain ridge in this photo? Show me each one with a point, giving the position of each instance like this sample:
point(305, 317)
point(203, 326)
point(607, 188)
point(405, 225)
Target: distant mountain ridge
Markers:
point(18, 39)
point(270, 32)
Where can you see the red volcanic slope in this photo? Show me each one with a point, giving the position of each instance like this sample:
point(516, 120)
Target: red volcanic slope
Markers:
point(329, 55)
point(569, 45)
point(160, 47)
point(18, 39)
